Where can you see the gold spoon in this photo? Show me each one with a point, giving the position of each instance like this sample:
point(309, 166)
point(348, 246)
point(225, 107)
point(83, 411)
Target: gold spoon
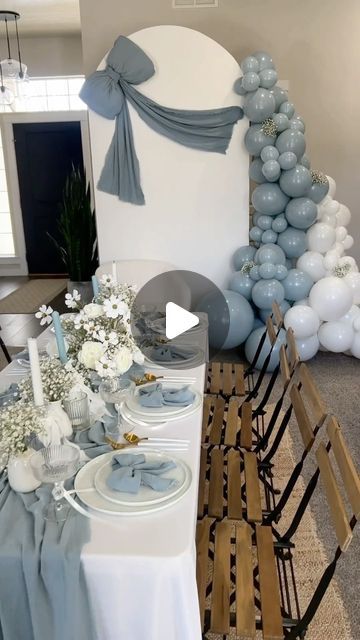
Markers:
point(132, 440)
point(147, 377)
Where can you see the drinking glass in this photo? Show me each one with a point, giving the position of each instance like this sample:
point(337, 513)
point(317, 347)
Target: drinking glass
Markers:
point(55, 464)
point(78, 411)
point(114, 391)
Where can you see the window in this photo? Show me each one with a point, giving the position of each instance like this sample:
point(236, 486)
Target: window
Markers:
point(38, 94)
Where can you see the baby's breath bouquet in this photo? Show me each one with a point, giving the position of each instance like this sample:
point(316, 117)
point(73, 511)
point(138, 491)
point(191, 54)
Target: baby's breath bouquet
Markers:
point(19, 423)
point(57, 381)
point(99, 334)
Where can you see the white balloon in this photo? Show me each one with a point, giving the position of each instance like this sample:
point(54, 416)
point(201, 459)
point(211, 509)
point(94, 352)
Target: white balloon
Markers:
point(352, 317)
point(348, 242)
point(332, 186)
point(339, 248)
point(329, 219)
point(320, 237)
point(349, 260)
point(340, 233)
point(312, 263)
point(355, 347)
point(336, 336)
point(308, 347)
point(331, 260)
point(303, 320)
point(331, 298)
point(304, 302)
point(333, 207)
point(343, 216)
point(353, 281)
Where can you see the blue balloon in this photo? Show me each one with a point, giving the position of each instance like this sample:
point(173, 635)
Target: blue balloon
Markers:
point(255, 217)
point(280, 96)
point(251, 81)
point(282, 121)
point(269, 153)
point(238, 87)
point(297, 285)
point(252, 344)
point(287, 108)
point(301, 213)
point(280, 272)
point(254, 273)
point(242, 255)
point(291, 140)
point(265, 60)
point(267, 270)
point(287, 160)
point(265, 292)
point(269, 199)
point(257, 324)
point(255, 234)
point(264, 222)
point(318, 191)
point(279, 223)
point(237, 313)
point(268, 77)
point(255, 140)
point(241, 283)
point(250, 63)
point(264, 313)
point(305, 161)
point(270, 253)
point(271, 170)
point(296, 124)
point(269, 237)
point(293, 242)
point(255, 171)
point(259, 105)
point(296, 182)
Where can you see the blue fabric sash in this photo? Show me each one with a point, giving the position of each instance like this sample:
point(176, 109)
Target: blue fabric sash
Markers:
point(108, 93)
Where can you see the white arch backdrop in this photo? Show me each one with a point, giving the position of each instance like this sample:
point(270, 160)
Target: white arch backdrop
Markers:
point(196, 211)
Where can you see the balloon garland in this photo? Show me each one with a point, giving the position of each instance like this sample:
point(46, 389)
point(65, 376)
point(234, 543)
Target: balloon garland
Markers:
point(298, 234)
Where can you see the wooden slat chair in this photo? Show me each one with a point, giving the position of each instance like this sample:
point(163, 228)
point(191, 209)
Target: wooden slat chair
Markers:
point(228, 378)
point(247, 580)
point(239, 484)
point(233, 422)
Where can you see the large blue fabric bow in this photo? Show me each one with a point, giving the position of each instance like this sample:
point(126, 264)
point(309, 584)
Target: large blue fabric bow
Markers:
point(107, 92)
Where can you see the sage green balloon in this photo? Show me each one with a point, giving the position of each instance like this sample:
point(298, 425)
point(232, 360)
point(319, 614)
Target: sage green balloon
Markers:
point(280, 272)
point(265, 292)
point(270, 253)
point(267, 270)
point(264, 222)
point(271, 170)
point(269, 199)
point(255, 234)
point(296, 182)
point(287, 108)
point(238, 87)
point(293, 242)
point(254, 273)
point(279, 224)
point(280, 96)
point(297, 124)
point(305, 161)
point(301, 213)
point(291, 140)
point(269, 153)
point(251, 81)
point(282, 121)
point(250, 64)
point(317, 192)
point(269, 236)
point(287, 160)
point(297, 285)
point(241, 283)
point(256, 140)
point(243, 255)
point(268, 77)
point(255, 171)
point(265, 60)
point(259, 105)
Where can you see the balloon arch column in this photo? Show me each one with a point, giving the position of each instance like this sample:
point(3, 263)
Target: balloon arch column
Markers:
point(298, 234)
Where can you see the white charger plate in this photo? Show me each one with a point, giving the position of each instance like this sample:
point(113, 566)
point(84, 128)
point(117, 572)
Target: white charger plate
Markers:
point(165, 411)
point(85, 481)
point(145, 496)
point(188, 363)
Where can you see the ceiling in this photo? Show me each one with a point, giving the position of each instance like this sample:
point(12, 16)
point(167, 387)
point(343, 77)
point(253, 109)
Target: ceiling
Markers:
point(45, 17)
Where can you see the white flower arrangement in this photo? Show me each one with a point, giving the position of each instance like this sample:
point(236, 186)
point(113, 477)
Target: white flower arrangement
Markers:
point(57, 381)
point(19, 423)
point(99, 333)
point(44, 314)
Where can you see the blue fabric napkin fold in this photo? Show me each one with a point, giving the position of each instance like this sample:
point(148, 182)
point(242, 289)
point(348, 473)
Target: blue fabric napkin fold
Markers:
point(170, 353)
point(130, 471)
point(156, 396)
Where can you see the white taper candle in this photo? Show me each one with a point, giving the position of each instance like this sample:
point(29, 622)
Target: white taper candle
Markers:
point(35, 372)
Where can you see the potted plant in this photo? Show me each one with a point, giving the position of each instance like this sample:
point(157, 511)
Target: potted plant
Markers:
point(77, 227)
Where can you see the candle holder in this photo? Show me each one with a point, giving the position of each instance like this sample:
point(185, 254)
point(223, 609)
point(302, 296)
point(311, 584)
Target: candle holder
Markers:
point(78, 411)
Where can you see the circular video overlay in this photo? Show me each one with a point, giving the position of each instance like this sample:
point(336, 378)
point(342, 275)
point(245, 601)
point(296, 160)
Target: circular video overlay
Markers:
point(175, 315)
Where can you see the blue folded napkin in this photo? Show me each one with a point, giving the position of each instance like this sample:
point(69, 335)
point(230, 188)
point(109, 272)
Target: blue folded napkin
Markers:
point(130, 471)
point(156, 396)
point(169, 353)
point(158, 325)
point(13, 391)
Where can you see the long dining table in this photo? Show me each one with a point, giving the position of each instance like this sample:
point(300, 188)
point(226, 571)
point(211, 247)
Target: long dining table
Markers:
point(141, 570)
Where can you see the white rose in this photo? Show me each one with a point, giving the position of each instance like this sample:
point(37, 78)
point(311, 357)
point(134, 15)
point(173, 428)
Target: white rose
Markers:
point(90, 353)
point(93, 310)
point(123, 360)
point(138, 356)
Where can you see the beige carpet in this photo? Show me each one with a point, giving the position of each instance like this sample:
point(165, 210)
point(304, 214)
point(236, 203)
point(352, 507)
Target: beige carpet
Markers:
point(31, 295)
point(331, 621)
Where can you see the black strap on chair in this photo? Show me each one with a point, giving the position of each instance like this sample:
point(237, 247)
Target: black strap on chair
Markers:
point(284, 423)
point(4, 349)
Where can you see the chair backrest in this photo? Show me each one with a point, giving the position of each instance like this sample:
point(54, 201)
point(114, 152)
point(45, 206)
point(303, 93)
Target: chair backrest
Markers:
point(308, 405)
point(277, 316)
point(289, 358)
point(139, 272)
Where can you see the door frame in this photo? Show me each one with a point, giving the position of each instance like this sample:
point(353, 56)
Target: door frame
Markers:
point(17, 265)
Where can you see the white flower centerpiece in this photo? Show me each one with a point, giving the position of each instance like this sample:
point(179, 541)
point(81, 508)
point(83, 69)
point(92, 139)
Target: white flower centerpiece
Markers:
point(98, 334)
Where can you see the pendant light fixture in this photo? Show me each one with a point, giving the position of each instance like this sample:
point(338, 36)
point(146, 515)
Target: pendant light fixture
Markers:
point(10, 68)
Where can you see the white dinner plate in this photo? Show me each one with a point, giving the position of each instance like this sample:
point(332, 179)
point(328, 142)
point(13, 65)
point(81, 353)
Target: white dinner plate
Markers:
point(85, 481)
point(145, 496)
point(194, 360)
point(166, 412)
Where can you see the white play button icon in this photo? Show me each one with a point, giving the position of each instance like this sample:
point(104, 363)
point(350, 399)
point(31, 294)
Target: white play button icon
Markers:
point(178, 320)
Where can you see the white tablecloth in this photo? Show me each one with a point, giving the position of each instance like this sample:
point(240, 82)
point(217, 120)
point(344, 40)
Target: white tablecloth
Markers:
point(141, 571)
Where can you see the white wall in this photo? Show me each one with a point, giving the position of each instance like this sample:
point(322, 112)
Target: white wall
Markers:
point(196, 211)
